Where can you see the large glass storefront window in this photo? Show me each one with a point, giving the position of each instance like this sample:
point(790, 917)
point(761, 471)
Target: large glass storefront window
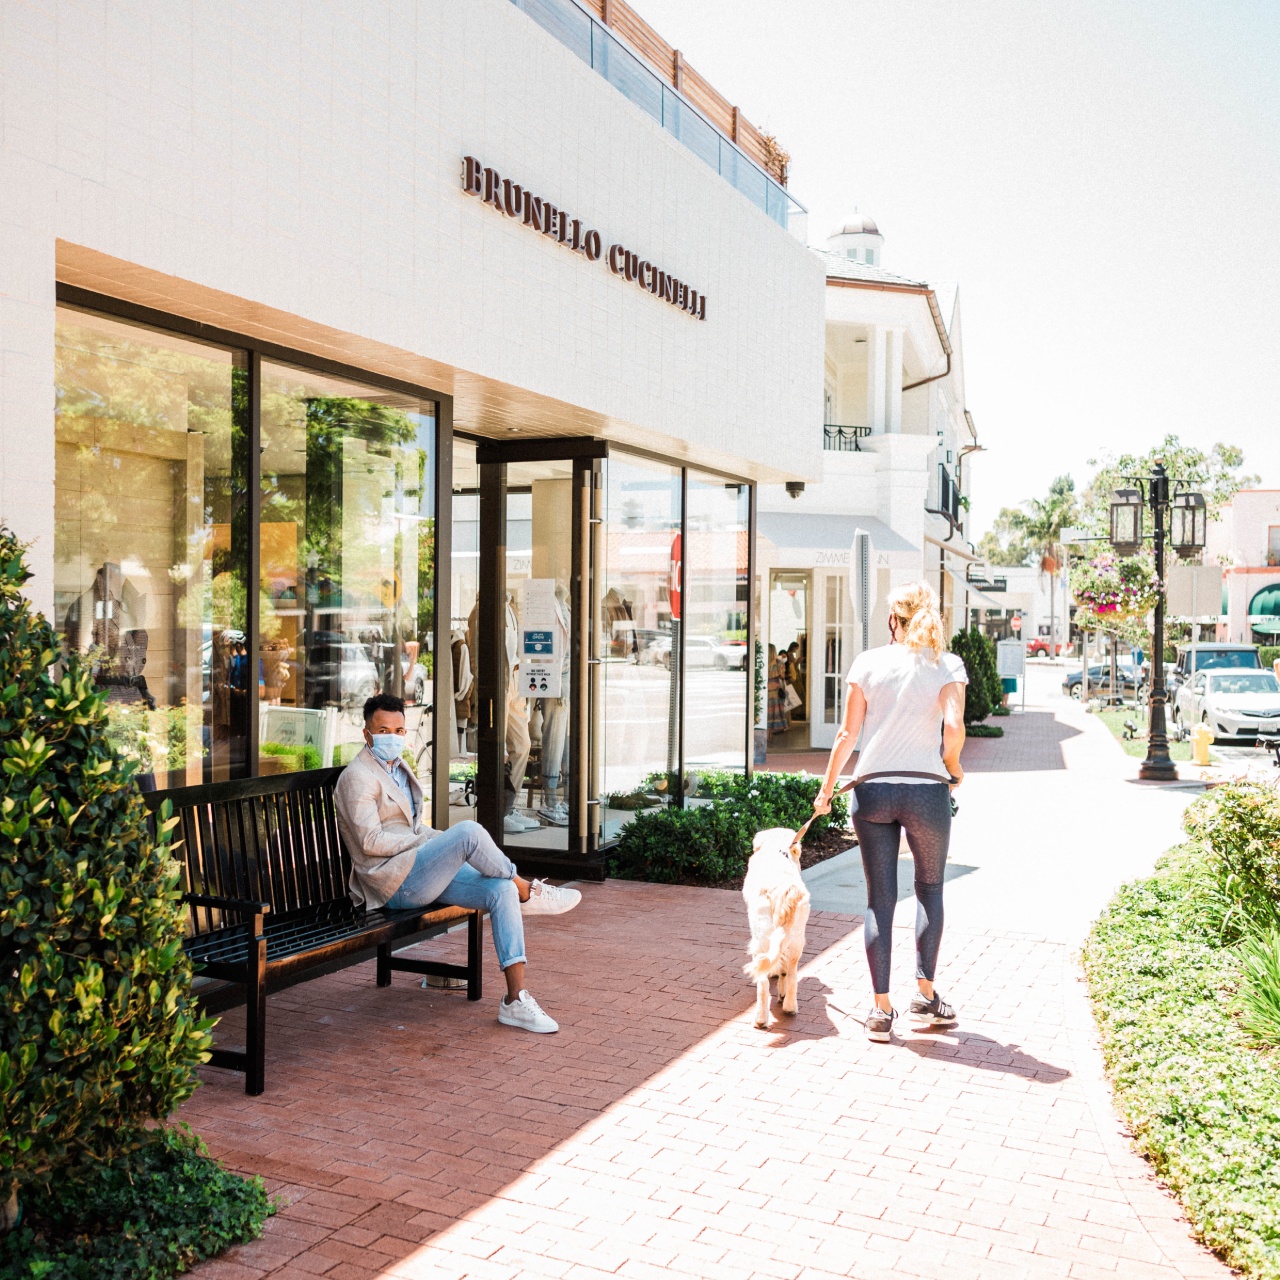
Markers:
point(151, 538)
point(347, 593)
point(715, 644)
point(638, 643)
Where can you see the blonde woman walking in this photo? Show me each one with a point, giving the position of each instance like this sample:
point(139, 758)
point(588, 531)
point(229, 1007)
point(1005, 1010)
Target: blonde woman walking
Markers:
point(906, 700)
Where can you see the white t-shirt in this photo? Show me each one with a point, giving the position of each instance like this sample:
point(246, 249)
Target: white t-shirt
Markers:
point(903, 727)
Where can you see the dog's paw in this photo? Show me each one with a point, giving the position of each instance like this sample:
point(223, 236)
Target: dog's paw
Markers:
point(792, 1011)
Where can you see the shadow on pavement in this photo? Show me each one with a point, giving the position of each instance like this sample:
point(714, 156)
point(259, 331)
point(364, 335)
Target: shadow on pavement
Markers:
point(1032, 743)
point(813, 1022)
point(973, 1050)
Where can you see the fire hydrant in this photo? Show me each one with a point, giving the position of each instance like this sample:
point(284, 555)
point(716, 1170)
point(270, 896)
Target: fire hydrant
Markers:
point(1201, 738)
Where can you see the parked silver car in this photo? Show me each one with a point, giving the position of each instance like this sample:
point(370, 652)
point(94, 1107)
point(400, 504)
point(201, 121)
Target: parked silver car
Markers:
point(1234, 704)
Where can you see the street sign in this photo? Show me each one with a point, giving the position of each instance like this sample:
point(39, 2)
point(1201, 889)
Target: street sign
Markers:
point(1016, 623)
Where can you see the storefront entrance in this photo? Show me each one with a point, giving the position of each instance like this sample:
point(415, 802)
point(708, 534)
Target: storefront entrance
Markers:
point(567, 623)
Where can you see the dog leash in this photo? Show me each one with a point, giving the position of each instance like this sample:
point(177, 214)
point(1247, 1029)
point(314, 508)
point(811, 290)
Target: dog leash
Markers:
point(857, 782)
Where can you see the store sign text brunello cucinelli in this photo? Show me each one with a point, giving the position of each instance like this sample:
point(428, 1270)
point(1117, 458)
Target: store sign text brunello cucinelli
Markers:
point(513, 201)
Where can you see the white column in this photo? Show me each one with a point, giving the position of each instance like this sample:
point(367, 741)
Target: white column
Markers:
point(893, 383)
point(875, 380)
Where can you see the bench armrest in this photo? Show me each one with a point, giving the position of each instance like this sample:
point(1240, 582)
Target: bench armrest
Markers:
point(242, 905)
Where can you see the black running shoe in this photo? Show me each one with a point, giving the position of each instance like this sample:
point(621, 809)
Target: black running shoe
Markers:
point(879, 1024)
point(932, 1013)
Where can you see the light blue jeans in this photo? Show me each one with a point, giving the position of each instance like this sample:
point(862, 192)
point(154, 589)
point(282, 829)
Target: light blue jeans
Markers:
point(462, 867)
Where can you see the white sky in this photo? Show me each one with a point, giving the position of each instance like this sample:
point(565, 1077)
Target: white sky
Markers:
point(1101, 178)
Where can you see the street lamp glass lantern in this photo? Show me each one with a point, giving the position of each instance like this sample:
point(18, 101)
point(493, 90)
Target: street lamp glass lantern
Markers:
point(1190, 523)
point(1126, 521)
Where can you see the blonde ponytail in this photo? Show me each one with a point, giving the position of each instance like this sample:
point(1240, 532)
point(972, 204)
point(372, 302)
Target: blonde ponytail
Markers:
point(915, 606)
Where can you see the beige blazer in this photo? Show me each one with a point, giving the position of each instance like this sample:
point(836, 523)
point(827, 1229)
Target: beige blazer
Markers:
point(378, 828)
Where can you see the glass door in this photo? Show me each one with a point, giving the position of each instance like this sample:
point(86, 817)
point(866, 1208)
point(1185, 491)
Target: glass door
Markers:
point(528, 759)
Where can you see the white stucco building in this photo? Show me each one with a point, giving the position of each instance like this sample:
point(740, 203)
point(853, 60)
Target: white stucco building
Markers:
point(331, 335)
point(1245, 540)
point(896, 438)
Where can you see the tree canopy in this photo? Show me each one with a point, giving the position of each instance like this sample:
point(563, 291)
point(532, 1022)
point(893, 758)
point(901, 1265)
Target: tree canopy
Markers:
point(1217, 474)
point(1022, 535)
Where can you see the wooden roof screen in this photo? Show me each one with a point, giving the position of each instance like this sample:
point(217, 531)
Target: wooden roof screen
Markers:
point(670, 65)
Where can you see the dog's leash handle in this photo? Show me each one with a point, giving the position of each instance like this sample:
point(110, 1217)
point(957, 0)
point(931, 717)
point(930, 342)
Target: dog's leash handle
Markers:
point(848, 786)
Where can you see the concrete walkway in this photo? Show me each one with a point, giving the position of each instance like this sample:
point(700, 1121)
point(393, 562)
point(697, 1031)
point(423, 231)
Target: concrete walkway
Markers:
point(661, 1135)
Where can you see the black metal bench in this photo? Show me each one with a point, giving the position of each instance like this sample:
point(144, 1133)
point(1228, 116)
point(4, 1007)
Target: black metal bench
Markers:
point(265, 875)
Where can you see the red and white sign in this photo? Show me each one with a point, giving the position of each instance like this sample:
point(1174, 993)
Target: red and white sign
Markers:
point(1016, 623)
point(673, 579)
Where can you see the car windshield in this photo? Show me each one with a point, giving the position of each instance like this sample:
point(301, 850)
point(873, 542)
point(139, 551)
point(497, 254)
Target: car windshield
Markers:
point(1218, 658)
point(1245, 682)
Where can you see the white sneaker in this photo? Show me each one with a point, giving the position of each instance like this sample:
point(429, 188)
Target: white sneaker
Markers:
point(557, 815)
point(549, 900)
point(515, 824)
point(523, 1012)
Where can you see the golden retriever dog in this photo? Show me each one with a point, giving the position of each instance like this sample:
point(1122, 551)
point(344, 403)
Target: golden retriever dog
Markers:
point(778, 910)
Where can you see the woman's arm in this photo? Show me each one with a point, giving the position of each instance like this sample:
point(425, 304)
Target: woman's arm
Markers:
point(855, 711)
point(952, 700)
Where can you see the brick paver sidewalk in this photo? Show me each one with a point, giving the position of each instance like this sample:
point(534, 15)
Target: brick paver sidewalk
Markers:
point(661, 1135)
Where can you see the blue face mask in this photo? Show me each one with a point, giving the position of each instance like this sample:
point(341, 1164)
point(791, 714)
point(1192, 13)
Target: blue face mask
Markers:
point(387, 746)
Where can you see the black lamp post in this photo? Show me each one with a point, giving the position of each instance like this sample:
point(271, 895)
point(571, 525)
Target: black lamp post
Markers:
point(1190, 514)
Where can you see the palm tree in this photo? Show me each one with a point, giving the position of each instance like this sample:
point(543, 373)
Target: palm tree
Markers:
point(1040, 524)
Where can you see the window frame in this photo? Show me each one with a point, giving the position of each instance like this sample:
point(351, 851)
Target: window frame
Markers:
point(256, 351)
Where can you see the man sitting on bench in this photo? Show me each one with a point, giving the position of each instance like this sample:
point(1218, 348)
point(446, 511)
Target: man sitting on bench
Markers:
point(397, 861)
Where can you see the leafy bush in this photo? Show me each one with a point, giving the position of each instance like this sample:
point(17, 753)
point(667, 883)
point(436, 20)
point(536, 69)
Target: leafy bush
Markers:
point(1268, 653)
point(1259, 998)
point(151, 1213)
point(1239, 826)
point(1203, 1104)
point(98, 1032)
point(983, 731)
point(983, 693)
point(710, 843)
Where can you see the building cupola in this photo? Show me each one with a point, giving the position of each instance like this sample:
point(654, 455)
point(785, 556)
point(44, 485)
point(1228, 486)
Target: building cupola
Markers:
point(858, 239)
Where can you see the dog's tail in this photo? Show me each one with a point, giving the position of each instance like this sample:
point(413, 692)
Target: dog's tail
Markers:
point(782, 907)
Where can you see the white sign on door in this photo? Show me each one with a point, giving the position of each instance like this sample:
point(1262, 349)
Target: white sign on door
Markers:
point(541, 641)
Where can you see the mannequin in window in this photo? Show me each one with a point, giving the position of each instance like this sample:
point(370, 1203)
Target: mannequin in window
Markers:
point(111, 619)
point(517, 726)
point(555, 722)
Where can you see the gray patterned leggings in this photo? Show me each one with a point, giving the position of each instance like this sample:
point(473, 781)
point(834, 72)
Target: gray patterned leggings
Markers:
point(885, 810)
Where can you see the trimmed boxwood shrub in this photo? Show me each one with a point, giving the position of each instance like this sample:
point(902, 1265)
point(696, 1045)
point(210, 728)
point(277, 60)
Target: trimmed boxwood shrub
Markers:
point(99, 1035)
point(983, 693)
point(710, 843)
point(1269, 653)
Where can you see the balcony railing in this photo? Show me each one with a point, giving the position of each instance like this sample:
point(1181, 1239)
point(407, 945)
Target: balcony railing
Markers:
point(843, 439)
point(604, 52)
point(949, 504)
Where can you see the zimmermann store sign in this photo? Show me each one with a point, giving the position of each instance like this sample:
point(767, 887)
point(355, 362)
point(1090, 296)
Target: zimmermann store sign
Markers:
point(514, 201)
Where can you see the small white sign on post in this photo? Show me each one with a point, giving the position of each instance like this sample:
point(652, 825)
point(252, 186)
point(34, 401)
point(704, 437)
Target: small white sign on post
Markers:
point(1193, 591)
point(1011, 663)
point(1011, 659)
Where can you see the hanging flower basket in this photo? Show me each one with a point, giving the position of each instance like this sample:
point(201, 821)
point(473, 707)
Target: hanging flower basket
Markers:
point(1114, 590)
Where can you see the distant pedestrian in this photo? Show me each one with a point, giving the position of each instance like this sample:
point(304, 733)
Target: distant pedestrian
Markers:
point(778, 721)
point(906, 700)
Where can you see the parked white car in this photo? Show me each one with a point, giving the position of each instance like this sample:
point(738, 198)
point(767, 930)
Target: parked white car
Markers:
point(701, 651)
point(1234, 704)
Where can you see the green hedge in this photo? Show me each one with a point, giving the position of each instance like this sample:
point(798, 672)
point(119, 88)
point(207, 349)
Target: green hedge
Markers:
point(1269, 653)
point(148, 1215)
point(300, 756)
point(1202, 1104)
point(710, 843)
